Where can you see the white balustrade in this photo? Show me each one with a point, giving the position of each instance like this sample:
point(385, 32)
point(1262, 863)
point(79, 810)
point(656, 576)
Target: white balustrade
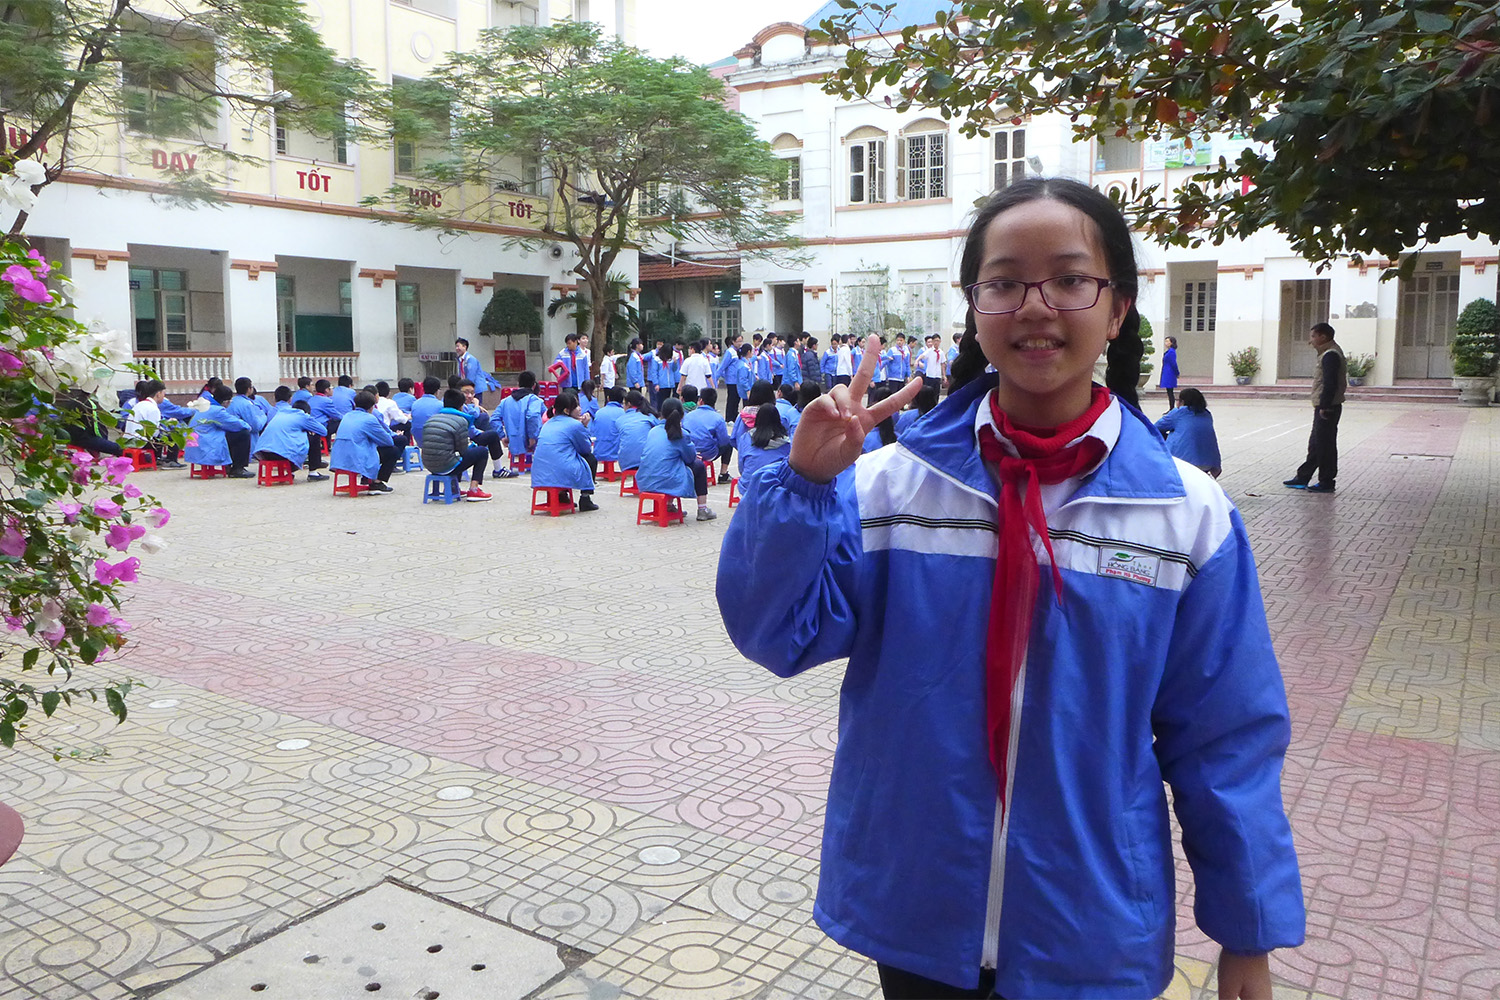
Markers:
point(189, 367)
point(316, 366)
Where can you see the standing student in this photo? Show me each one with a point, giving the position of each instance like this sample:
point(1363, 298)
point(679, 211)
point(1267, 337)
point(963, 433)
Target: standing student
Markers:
point(666, 375)
point(1169, 373)
point(931, 363)
point(608, 371)
point(470, 367)
point(365, 446)
point(1189, 430)
point(571, 367)
point(729, 375)
point(635, 368)
point(809, 356)
point(829, 365)
point(447, 449)
point(292, 436)
point(669, 463)
point(564, 452)
point(997, 822)
point(697, 370)
point(843, 362)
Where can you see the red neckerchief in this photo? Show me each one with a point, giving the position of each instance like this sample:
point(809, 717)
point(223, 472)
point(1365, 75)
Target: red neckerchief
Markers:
point(1046, 456)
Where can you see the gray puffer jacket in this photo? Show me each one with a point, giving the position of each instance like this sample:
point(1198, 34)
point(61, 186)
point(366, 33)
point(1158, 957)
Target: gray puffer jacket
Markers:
point(445, 437)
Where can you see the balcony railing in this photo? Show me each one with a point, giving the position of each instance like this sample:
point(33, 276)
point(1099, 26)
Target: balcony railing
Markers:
point(295, 365)
point(194, 367)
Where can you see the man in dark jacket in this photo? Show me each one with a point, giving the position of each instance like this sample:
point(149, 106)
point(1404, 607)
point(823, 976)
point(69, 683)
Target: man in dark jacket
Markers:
point(1328, 405)
point(447, 450)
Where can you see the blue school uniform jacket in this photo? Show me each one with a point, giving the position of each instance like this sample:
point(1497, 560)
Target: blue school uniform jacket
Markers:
point(355, 448)
point(561, 458)
point(325, 407)
point(633, 427)
point(588, 405)
point(666, 464)
point(744, 378)
point(606, 430)
point(244, 407)
point(286, 433)
point(706, 427)
point(343, 399)
point(521, 421)
point(761, 367)
point(664, 375)
point(1191, 437)
point(635, 372)
point(789, 415)
point(752, 458)
point(210, 426)
point(787, 366)
point(898, 364)
point(1169, 371)
point(724, 374)
point(1157, 667)
point(904, 420)
point(171, 411)
point(299, 395)
point(471, 369)
point(830, 363)
point(402, 399)
point(421, 411)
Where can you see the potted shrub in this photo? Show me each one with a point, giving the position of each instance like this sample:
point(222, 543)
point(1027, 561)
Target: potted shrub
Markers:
point(1359, 366)
point(1474, 352)
point(1245, 364)
point(1148, 348)
point(509, 314)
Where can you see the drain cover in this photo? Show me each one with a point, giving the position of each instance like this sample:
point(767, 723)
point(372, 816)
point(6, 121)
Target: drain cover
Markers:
point(390, 942)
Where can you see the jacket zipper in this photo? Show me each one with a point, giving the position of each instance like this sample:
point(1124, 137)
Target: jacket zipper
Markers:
point(989, 956)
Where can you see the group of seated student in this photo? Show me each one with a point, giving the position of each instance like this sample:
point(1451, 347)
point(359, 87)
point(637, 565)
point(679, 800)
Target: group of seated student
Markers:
point(147, 415)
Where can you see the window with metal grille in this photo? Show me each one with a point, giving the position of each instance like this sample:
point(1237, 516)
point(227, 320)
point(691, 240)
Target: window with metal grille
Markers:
point(1200, 302)
point(1010, 157)
point(924, 166)
point(867, 172)
point(409, 316)
point(789, 187)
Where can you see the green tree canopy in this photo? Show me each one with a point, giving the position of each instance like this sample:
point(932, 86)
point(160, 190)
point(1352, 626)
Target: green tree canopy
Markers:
point(71, 66)
point(609, 127)
point(509, 313)
point(1378, 120)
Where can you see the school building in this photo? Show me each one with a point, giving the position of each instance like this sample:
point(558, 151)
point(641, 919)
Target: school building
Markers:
point(289, 275)
point(884, 199)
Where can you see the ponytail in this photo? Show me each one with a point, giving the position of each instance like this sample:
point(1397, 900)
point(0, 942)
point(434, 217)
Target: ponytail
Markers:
point(672, 411)
point(768, 426)
point(1123, 365)
point(971, 362)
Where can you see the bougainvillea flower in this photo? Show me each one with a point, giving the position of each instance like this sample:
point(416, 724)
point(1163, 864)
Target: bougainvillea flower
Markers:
point(99, 614)
point(159, 517)
point(27, 285)
point(121, 572)
point(82, 459)
point(70, 511)
point(117, 467)
point(12, 542)
point(41, 268)
point(119, 536)
point(131, 490)
point(10, 364)
point(107, 509)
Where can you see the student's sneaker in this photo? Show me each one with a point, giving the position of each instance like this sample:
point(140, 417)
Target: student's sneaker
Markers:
point(506, 474)
point(377, 488)
point(1321, 488)
point(1295, 484)
point(587, 503)
point(240, 472)
point(316, 477)
point(723, 478)
point(476, 494)
point(704, 514)
point(174, 465)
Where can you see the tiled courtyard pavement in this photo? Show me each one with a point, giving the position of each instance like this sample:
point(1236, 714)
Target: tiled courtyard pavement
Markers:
point(325, 673)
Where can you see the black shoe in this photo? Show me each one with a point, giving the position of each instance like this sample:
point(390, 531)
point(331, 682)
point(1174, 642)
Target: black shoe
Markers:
point(241, 473)
point(723, 478)
point(377, 487)
point(1295, 484)
point(1320, 488)
point(587, 503)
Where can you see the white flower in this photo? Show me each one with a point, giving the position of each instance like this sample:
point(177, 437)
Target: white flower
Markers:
point(15, 188)
point(30, 171)
point(78, 533)
point(152, 544)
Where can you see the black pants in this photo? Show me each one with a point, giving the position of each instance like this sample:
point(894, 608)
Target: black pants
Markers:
point(474, 458)
point(1322, 447)
point(490, 440)
point(776, 382)
point(700, 477)
point(314, 451)
point(732, 402)
point(89, 441)
point(897, 984)
point(842, 379)
point(239, 448)
point(390, 454)
point(1171, 397)
point(932, 383)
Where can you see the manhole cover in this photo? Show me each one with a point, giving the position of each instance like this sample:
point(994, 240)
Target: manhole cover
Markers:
point(1421, 458)
point(389, 941)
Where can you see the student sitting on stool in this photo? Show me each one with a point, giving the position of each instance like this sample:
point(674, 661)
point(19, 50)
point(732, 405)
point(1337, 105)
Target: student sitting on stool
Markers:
point(564, 456)
point(222, 437)
point(294, 436)
point(447, 449)
point(365, 446)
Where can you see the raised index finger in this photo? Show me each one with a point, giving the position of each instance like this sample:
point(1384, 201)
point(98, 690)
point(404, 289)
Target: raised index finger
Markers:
point(860, 384)
point(895, 401)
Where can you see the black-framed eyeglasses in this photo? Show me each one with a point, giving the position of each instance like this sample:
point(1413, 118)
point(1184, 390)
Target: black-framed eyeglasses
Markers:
point(1064, 293)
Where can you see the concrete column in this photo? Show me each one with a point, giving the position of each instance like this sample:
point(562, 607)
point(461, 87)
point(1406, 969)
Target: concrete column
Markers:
point(101, 289)
point(755, 310)
point(375, 328)
point(250, 312)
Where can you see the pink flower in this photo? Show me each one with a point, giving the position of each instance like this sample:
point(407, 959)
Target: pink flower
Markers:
point(82, 474)
point(107, 509)
point(41, 268)
point(70, 511)
point(26, 284)
point(120, 536)
point(14, 624)
point(12, 542)
point(131, 490)
point(159, 517)
point(120, 572)
point(9, 363)
point(117, 467)
point(82, 459)
point(55, 636)
point(99, 615)
point(192, 439)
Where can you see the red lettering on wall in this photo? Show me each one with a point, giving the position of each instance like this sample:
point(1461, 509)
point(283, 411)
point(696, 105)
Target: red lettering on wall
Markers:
point(425, 198)
point(17, 137)
point(181, 163)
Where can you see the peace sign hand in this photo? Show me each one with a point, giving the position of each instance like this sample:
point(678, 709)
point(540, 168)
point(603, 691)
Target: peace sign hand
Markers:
point(832, 431)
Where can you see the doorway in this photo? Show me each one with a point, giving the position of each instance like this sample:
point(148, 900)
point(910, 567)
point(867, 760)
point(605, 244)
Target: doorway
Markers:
point(1425, 317)
point(786, 309)
point(1303, 303)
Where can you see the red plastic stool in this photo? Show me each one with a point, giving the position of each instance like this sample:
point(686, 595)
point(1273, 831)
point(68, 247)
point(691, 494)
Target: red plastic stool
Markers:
point(661, 512)
point(609, 471)
point(274, 473)
point(141, 458)
point(709, 468)
point(552, 504)
point(734, 492)
point(627, 483)
point(520, 463)
point(347, 483)
point(207, 471)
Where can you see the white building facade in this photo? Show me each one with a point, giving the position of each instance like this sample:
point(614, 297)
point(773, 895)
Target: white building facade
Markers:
point(290, 275)
point(885, 198)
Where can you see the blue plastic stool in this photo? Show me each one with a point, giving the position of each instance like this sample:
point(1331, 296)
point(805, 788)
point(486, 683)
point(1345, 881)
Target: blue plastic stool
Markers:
point(411, 458)
point(440, 488)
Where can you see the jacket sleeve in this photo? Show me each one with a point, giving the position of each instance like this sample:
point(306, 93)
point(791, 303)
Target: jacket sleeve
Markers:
point(787, 570)
point(1330, 363)
point(1222, 730)
point(534, 418)
point(314, 425)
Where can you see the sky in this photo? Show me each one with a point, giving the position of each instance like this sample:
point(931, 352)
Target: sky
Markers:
point(708, 30)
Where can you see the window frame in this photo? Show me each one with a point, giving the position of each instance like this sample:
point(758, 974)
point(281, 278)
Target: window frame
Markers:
point(871, 174)
point(932, 176)
point(1009, 168)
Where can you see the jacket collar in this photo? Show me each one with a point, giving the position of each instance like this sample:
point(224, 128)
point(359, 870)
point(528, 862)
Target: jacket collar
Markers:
point(1138, 466)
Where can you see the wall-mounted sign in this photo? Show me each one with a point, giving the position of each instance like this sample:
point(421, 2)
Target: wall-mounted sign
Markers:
point(14, 137)
point(179, 163)
point(311, 180)
point(424, 198)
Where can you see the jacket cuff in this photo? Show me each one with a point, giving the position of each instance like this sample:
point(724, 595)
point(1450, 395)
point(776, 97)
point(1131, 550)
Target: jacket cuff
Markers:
point(790, 479)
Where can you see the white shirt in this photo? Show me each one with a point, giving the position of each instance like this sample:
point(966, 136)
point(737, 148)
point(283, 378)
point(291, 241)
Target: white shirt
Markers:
point(142, 411)
point(845, 364)
point(390, 412)
point(698, 371)
point(932, 363)
point(607, 373)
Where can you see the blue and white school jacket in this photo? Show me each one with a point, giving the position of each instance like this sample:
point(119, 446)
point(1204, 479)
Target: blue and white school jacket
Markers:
point(286, 434)
point(244, 407)
point(561, 454)
point(760, 367)
point(1157, 667)
point(1191, 437)
point(472, 369)
point(830, 363)
point(664, 375)
point(899, 364)
point(706, 427)
point(633, 427)
point(606, 430)
point(521, 421)
point(635, 371)
point(210, 426)
point(787, 366)
point(666, 465)
point(355, 449)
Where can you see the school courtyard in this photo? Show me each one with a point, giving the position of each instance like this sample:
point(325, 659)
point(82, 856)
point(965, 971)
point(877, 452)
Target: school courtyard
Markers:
point(460, 751)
